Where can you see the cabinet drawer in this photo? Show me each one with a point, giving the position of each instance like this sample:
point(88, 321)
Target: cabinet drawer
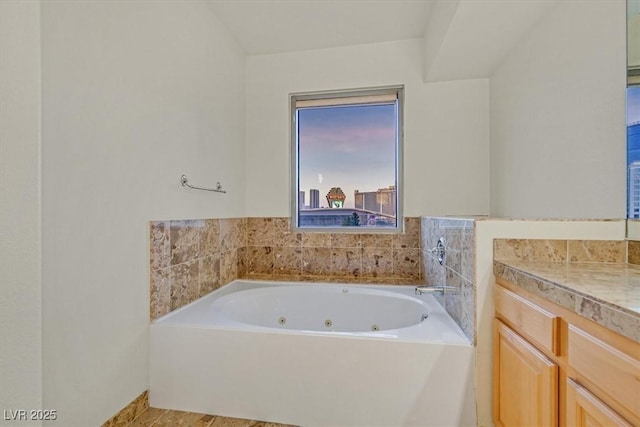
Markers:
point(613, 372)
point(536, 323)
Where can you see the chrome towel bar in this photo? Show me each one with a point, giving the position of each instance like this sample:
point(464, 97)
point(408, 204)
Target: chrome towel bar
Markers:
point(185, 183)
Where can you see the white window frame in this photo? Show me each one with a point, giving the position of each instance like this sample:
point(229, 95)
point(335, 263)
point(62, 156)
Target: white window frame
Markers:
point(362, 97)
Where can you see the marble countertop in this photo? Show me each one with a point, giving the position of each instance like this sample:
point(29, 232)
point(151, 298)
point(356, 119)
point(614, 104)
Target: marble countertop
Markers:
point(608, 294)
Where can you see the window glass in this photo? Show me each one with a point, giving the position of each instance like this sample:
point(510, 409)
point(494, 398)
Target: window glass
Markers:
point(633, 151)
point(346, 151)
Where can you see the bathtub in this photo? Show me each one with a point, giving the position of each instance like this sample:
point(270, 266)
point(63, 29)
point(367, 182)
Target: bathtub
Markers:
point(314, 355)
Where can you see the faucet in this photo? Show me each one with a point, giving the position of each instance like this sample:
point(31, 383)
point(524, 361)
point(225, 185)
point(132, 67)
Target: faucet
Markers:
point(439, 251)
point(433, 289)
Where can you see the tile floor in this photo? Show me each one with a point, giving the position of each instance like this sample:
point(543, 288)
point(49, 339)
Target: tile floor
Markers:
point(154, 417)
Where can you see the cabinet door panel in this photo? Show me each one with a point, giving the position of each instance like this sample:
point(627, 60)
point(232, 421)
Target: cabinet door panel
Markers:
point(586, 410)
point(525, 382)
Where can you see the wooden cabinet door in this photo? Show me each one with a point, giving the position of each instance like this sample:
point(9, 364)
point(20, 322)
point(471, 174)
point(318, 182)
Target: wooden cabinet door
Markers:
point(586, 410)
point(525, 382)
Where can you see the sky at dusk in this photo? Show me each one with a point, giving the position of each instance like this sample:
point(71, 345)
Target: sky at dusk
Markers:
point(352, 147)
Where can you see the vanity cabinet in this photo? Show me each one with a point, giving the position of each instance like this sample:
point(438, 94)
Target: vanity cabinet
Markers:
point(553, 367)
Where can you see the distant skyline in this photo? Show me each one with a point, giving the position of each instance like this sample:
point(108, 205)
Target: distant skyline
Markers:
point(351, 147)
point(633, 105)
point(633, 119)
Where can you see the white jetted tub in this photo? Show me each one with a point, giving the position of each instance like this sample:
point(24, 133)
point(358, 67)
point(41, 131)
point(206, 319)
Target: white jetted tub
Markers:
point(314, 355)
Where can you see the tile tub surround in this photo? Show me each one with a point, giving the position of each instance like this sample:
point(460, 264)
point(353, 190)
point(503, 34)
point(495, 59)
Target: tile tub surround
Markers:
point(273, 251)
point(190, 258)
point(458, 269)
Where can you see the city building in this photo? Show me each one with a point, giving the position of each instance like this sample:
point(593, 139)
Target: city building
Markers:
point(634, 190)
point(344, 217)
point(301, 200)
point(633, 170)
point(314, 198)
point(383, 200)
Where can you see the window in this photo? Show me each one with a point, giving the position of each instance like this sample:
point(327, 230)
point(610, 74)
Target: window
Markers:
point(346, 160)
point(633, 151)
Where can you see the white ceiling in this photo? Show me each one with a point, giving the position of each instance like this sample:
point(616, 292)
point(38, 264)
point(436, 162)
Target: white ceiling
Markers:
point(464, 38)
point(275, 26)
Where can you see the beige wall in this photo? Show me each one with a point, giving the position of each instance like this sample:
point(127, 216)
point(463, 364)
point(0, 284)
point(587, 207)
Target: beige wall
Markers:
point(446, 139)
point(557, 117)
point(134, 94)
point(20, 265)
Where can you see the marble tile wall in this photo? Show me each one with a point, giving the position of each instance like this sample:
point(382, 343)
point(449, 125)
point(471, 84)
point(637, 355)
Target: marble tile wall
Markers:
point(457, 270)
point(633, 252)
point(273, 251)
point(190, 258)
point(611, 251)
